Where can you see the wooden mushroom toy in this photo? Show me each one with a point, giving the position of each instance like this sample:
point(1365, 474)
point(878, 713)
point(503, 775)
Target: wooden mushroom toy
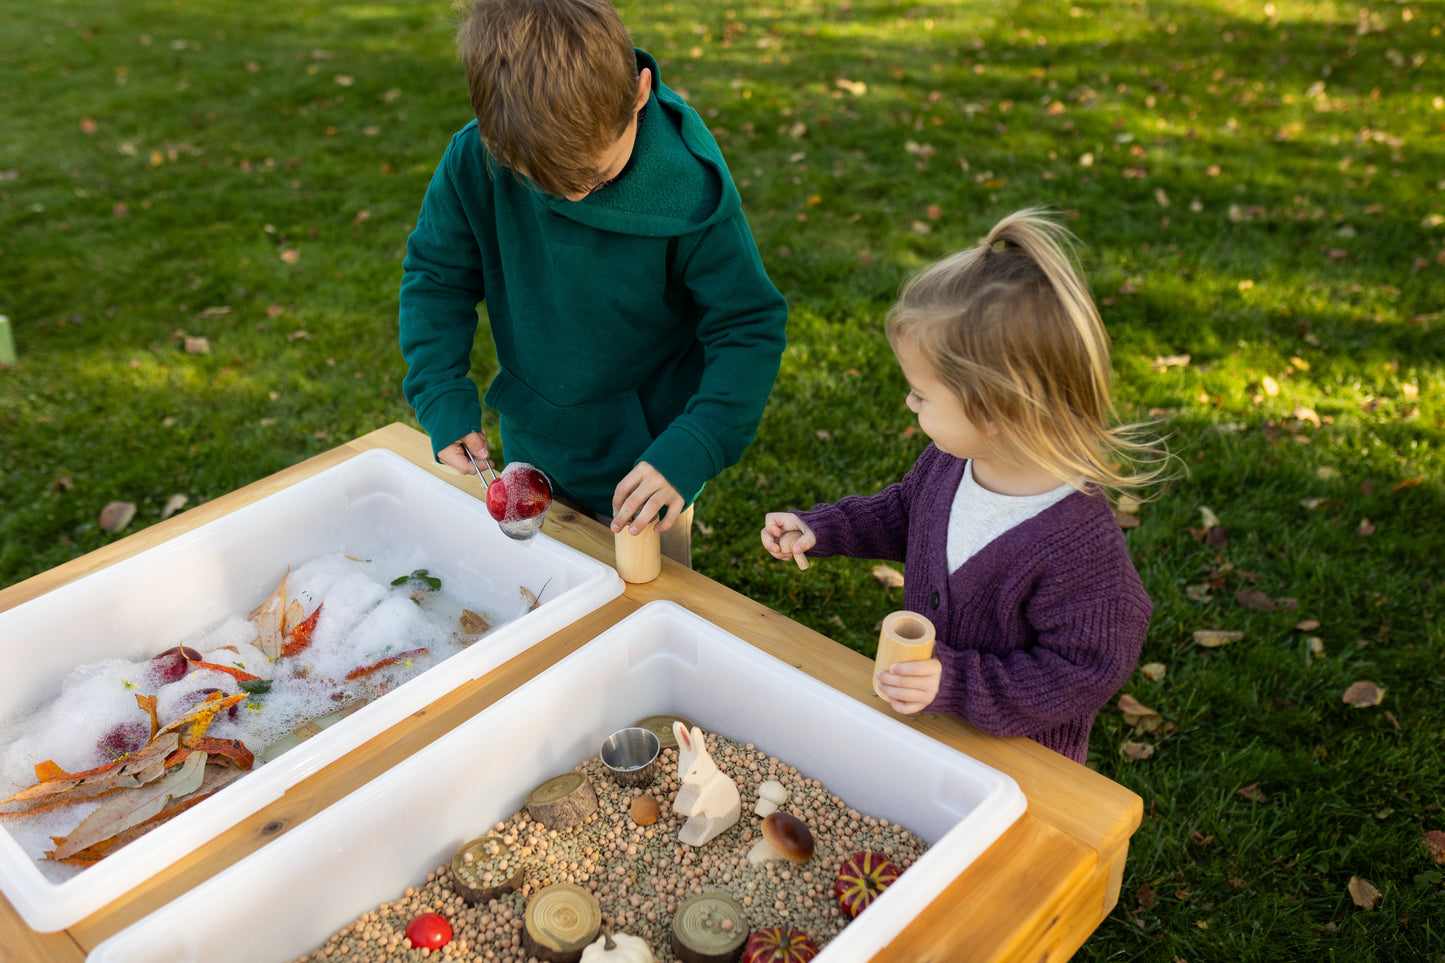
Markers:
point(785, 836)
point(613, 947)
point(771, 795)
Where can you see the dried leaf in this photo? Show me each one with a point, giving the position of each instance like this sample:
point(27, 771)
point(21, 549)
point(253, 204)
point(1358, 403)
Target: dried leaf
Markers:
point(1214, 638)
point(195, 345)
point(174, 504)
point(1307, 625)
point(1366, 528)
point(1363, 892)
point(888, 576)
point(1434, 841)
point(133, 808)
point(270, 616)
point(1136, 751)
point(1153, 670)
point(1138, 715)
point(473, 623)
point(380, 664)
point(1363, 694)
point(1255, 600)
point(127, 772)
point(116, 516)
point(1253, 793)
point(1125, 520)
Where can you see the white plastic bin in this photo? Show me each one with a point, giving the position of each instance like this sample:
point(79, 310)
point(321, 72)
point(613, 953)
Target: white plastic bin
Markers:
point(142, 604)
point(368, 847)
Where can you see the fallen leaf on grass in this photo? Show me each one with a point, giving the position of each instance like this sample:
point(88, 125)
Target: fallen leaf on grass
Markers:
point(195, 345)
point(174, 504)
point(116, 516)
point(1434, 841)
point(1153, 670)
point(887, 576)
point(1363, 694)
point(1307, 625)
point(1138, 715)
point(1363, 892)
point(1366, 528)
point(1214, 638)
point(1253, 793)
point(1255, 600)
point(1136, 751)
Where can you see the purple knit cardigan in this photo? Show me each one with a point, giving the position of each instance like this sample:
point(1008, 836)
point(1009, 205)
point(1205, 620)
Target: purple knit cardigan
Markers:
point(1037, 631)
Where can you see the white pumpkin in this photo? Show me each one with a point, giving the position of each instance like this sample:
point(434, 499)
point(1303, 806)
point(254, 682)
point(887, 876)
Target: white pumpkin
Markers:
point(617, 948)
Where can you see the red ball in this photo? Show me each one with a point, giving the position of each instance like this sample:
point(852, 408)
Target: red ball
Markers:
point(429, 931)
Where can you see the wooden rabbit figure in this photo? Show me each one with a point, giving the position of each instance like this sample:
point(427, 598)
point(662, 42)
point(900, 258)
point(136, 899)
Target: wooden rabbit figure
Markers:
point(708, 797)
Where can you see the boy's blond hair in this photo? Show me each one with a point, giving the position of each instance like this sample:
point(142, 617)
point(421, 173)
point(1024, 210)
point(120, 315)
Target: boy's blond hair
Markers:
point(553, 84)
point(1010, 327)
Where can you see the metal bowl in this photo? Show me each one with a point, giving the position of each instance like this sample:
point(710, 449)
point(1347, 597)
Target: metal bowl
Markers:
point(630, 756)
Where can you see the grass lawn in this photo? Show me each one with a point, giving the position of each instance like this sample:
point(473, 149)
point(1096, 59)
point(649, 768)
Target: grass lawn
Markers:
point(1260, 189)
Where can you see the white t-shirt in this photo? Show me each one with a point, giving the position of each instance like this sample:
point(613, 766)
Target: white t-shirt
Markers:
point(979, 516)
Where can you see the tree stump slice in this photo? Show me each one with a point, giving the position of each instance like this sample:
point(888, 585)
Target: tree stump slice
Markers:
point(709, 928)
point(484, 869)
point(562, 801)
point(661, 726)
point(561, 921)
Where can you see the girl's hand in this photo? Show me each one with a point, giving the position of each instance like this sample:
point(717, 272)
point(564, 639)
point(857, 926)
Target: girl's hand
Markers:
point(641, 494)
point(453, 455)
point(780, 527)
point(911, 687)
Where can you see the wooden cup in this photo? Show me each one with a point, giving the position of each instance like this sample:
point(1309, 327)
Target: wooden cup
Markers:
point(639, 557)
point(905, 637)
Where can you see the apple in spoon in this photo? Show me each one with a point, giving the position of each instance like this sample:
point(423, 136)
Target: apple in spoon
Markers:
point(518, 499)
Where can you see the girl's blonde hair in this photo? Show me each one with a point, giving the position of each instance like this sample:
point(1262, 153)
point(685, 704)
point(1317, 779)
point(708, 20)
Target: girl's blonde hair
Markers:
point(1009, 326)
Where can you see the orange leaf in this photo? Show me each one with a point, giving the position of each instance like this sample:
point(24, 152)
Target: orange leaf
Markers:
point(360, 671)
point(300, 636)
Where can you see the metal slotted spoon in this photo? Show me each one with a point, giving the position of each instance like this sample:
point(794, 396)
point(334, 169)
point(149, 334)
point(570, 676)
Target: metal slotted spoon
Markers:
point(521, 529)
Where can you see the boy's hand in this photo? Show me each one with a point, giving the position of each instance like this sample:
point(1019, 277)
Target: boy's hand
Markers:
point(781, 527)
point(453, 455)
point(640, 496)
point(910, 687)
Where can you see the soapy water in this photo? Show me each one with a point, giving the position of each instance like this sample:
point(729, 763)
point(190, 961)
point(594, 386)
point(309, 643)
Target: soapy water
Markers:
point(364, 620)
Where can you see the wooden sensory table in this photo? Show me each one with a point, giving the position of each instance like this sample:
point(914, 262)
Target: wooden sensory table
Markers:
point(1036, 894)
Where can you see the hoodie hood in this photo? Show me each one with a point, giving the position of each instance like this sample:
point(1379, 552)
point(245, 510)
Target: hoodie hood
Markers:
point(676, 181)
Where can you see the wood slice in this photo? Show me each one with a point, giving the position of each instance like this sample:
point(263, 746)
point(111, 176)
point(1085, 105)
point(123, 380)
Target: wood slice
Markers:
point(561, 920)
point(661, 726)
point(562, 801)
point(709, 928)
point(484, 869)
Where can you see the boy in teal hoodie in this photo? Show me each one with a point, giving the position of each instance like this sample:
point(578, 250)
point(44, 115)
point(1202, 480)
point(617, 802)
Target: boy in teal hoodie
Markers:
point(637, 333)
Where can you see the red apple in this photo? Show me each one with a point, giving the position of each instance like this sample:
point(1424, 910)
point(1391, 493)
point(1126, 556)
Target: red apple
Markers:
point(123, 739)
point(519, 492)
point(174, 663)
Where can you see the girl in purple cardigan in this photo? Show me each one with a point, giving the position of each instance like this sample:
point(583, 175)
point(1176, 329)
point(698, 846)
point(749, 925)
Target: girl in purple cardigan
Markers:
point(1003, 524)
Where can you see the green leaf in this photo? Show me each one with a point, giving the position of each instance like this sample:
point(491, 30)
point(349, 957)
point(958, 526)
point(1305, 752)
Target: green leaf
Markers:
point(256, 686)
